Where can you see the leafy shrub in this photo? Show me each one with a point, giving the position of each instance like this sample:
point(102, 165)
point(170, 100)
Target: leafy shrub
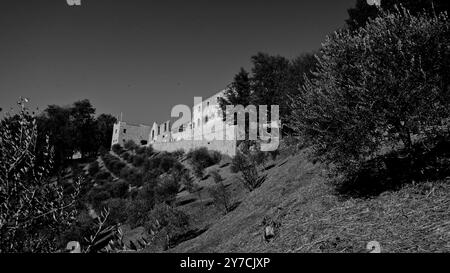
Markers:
point(167, 189)
point(220, 193)
point(94, 168)
point(33, 211)
point(167, 223)
point(97, 196)
point(216, 156)
point(102, 175)
point(178, 153)
point(201, 158)
point(243, 162)
point(132, 175)
point(167, 162)
point(138, 160)
point(145, 151)
point(117, 166)
point(119, 189)
point(116, 148)
point(130, 145)
point(117, 210)
point(380, 86)
point(126, 156)
point(138, 211)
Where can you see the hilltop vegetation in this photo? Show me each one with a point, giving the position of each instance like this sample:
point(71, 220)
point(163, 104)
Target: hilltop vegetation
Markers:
point(365, 156)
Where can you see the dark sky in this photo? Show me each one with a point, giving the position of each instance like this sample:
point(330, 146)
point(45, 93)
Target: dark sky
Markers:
point(141, 57)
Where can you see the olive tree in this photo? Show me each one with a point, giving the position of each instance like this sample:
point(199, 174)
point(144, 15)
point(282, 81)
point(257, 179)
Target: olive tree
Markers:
point(383, 85)
point(33, 210)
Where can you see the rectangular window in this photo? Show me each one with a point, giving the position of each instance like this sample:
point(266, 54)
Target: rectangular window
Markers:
point(124, 131)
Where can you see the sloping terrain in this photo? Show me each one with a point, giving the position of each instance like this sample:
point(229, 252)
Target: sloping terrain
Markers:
point(307, 216)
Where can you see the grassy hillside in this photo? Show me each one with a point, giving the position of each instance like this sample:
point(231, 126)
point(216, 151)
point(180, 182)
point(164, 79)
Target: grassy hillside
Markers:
point(308, 216)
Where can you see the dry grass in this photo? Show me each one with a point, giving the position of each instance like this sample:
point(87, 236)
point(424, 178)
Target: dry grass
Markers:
point(309, 217)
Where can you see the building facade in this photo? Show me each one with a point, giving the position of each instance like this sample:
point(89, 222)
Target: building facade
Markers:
point(206, 128)
point(123, 132)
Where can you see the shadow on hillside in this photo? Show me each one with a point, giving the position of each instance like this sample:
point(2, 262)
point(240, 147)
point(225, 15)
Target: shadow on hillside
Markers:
point(428, 162)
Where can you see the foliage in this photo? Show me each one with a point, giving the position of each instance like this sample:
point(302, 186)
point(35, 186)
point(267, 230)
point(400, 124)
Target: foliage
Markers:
point(246, 162)
point(94, 168)
point(104, 236)
point(201, 158)
point(119, 188)
point(362, 12)
point(33, 211)
point(117, 149)
point(102, 175)
point(166, 224)
point(104, 128)
point(167, 189)
point(272, 80)
point(138, 160)
point(130, 145)
point(145, 151)
point(385, 84)
point(220, 193)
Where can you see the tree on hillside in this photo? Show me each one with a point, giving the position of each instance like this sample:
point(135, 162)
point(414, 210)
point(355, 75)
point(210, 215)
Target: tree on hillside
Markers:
point(55, 122)
point(301, 67)
point(239, 92)
point(33, 211)
point(83, 121)
point(377, 87)
point(271, 81)
point(362, 12)
point(105, 123)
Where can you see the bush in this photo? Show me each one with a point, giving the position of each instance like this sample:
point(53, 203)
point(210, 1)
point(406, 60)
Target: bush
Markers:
point(167, 189)
point(245, 164)
point(138, 160)
point(93, 168)
point(220, 193)
point(117, 166)
point(167, 162)
point(97, 196)
point(178, 153)
point(138, 212)
point(102, 175)
point(126, 156)
point(201, 158)
point(116, 148)
point(33, 211)
point(117, 210)
point(167, 224)
point(130, 145)
point(145, 151)
point(380, 86)
point(119, 189)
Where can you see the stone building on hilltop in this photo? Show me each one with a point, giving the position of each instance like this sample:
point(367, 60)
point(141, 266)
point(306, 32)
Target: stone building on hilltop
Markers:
point(206, 128)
